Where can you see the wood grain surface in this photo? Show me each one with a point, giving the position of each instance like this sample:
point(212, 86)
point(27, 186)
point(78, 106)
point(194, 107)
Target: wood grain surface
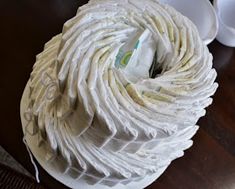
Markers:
point(26, 25)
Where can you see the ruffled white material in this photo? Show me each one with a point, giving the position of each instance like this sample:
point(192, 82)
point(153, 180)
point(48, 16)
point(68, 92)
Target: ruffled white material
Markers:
point(116, 96)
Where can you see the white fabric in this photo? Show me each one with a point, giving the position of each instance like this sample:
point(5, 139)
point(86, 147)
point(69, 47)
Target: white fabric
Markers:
point(109, 124)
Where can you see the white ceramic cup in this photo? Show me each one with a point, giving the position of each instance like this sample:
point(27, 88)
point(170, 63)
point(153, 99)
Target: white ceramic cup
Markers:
point(225, 10)
point(202, 13)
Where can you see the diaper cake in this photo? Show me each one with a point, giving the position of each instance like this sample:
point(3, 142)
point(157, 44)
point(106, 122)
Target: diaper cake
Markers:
point(115, 97)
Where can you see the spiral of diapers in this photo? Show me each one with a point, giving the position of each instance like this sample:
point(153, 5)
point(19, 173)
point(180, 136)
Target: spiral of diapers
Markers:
point(102, 111)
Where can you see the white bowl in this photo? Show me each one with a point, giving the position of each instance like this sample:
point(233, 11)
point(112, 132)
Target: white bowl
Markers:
point(202, 13)
point(225, 10)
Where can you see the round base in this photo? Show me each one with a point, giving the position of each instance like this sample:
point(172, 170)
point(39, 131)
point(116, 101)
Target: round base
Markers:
point(40, 154)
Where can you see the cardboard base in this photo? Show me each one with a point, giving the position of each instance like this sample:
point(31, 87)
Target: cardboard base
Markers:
point(39, 154)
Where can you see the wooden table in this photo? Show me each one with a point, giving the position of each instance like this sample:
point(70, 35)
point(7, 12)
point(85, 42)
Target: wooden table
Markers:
point(26, 25)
